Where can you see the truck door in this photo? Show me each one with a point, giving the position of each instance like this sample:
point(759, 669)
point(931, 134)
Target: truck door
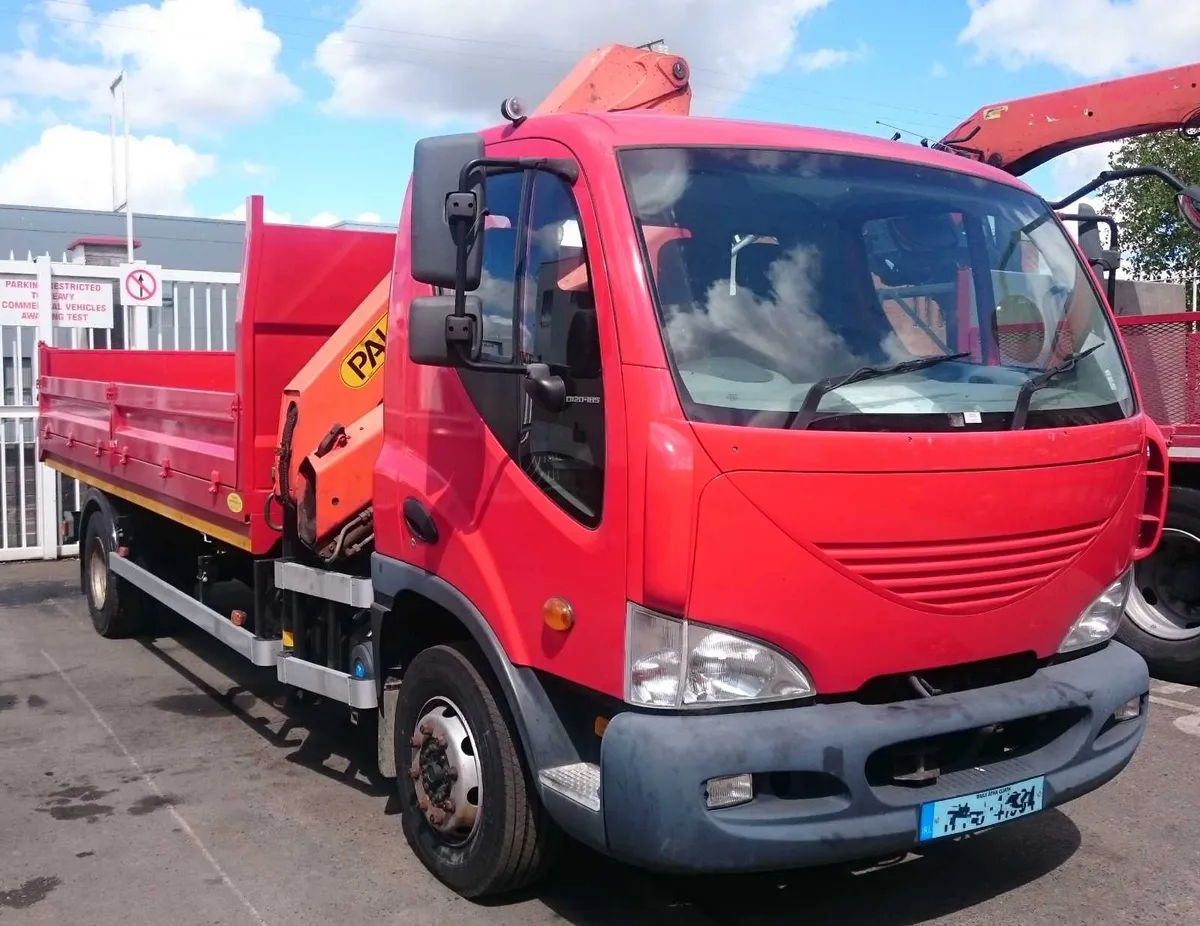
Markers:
point(535, 496)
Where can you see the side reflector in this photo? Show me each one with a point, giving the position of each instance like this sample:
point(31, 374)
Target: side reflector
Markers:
point(558, 614)
point(579, 782)
point(287, 639)
point(237, 618)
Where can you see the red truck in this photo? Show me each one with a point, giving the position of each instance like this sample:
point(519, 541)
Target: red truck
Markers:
point(721, 505)
point(1163, 612)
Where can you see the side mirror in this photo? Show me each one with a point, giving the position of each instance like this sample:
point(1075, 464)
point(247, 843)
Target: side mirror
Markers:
point(545, 388)
point(1089, 234)
point(439, 338)
point(1188, 204)
point(441, 216)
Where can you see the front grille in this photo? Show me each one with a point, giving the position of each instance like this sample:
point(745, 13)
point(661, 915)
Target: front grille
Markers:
point(965, 575)
point(967, 753)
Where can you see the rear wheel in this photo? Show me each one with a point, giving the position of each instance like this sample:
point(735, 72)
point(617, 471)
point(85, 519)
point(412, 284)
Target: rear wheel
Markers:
point(1162, 618)
point(471, 813)
point(117, 608)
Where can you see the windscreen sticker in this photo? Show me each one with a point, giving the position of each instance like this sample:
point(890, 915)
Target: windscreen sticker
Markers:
point(365, 359)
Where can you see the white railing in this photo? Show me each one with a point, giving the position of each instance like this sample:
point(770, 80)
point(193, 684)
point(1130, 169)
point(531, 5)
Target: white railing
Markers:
point(198, 313)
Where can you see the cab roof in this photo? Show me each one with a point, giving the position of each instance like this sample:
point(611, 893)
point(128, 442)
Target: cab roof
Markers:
point(581, 131)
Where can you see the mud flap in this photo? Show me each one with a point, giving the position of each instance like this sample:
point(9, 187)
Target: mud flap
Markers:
point(386, 737)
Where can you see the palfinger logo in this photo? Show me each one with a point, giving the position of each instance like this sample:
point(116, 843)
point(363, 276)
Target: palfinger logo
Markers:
point(365, 359)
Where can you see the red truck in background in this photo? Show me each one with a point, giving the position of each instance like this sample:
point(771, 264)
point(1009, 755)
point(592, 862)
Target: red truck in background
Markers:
point(735, 497)
point(1163, 613)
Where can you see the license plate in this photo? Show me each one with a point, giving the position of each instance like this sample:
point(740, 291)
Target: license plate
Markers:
point(956, 815)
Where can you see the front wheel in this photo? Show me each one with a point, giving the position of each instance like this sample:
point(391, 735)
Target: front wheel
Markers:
point(470, 810)
point(1162, 617)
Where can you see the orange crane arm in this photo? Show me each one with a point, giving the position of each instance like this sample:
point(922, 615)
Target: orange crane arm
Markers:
point(618, 78)
point(1022, 134)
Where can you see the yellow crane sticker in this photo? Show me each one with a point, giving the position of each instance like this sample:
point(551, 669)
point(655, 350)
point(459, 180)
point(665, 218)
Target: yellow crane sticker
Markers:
point(365, 359)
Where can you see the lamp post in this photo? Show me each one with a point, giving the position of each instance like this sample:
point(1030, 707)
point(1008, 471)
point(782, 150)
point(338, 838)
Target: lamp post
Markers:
point(120, 83)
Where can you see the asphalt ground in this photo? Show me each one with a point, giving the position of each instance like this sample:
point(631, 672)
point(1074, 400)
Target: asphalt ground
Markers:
point(161, 783)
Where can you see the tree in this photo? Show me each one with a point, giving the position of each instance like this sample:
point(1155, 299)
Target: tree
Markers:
point(1155, 241)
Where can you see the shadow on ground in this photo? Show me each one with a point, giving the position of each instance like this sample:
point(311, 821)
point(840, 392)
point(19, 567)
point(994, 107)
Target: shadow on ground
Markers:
point(943, 880)
point(311, 734)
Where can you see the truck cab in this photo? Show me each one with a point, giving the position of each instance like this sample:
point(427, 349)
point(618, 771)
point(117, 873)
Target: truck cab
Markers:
point(791, 479)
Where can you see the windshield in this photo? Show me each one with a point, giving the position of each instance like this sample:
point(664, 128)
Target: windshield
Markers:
point(778, 271)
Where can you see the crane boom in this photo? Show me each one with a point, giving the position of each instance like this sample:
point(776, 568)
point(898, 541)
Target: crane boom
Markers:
point(1022, 134)
point(618, 78)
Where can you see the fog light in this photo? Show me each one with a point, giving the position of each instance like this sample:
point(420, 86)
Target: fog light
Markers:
point(579, 782)
point(1130, 710)
point(728, 791)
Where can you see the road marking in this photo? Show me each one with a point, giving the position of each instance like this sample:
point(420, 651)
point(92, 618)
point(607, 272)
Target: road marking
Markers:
point(1170, 688)
point(1178, 705)
point(157, 792)
point(1189, 724)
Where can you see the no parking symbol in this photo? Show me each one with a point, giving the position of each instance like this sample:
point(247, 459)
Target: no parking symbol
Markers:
point(141, 284)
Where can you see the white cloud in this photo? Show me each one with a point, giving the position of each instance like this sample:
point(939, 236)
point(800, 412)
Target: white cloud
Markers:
point(255, 169)
point(938, 70)
point(369, 218)
point(1091, 38)
point(823, 58)
point(71, 167)
point(198, 64)
point(324, 218)
point(1070, 171)
point(238, 214)
point(9, 111)
point(524, 47)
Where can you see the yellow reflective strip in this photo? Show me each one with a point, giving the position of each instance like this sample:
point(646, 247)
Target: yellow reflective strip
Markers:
point(187, 520)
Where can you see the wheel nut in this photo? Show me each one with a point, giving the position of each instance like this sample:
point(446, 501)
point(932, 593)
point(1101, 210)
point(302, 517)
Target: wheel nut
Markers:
point(448, 805)
point(440, 740)
point(414, 774)
point(452, 773)
point(436, 817)
point(426, 729)
point(416, 742)
point(423, 803)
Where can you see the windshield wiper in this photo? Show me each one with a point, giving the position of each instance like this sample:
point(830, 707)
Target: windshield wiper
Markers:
point(1034, 383)
point(817, 391)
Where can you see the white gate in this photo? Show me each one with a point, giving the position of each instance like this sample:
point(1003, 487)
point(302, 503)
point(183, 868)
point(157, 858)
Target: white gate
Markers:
point(198, 313)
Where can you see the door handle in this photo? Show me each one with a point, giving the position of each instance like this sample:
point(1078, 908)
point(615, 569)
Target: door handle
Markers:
point(419, 521)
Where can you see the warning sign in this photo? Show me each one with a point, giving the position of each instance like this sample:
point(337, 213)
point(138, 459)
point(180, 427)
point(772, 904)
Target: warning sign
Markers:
point(74, 303)
point(140, 284)
point(366, 357)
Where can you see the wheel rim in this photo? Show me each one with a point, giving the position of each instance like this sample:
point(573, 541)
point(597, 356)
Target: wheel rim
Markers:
point(97, 573)
point(445, 771)
point(1165, 599)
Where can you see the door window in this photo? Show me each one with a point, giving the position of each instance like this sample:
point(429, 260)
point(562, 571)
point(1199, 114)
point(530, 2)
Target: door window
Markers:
point(562, 451)
point(496, 396)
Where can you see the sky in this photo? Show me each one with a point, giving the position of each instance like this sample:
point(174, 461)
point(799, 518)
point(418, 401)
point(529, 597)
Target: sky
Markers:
point(316, 104)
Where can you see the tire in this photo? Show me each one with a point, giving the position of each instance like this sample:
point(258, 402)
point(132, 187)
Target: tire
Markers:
point(1162, 618)
point(510, 840)
point(117, 608)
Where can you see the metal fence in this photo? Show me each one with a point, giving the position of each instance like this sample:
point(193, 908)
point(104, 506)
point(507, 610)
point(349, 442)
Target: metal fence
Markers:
point(198, 313)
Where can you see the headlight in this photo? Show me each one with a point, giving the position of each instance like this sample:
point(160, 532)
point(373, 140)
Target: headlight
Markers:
point(1099, 620)
point(676, 663)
